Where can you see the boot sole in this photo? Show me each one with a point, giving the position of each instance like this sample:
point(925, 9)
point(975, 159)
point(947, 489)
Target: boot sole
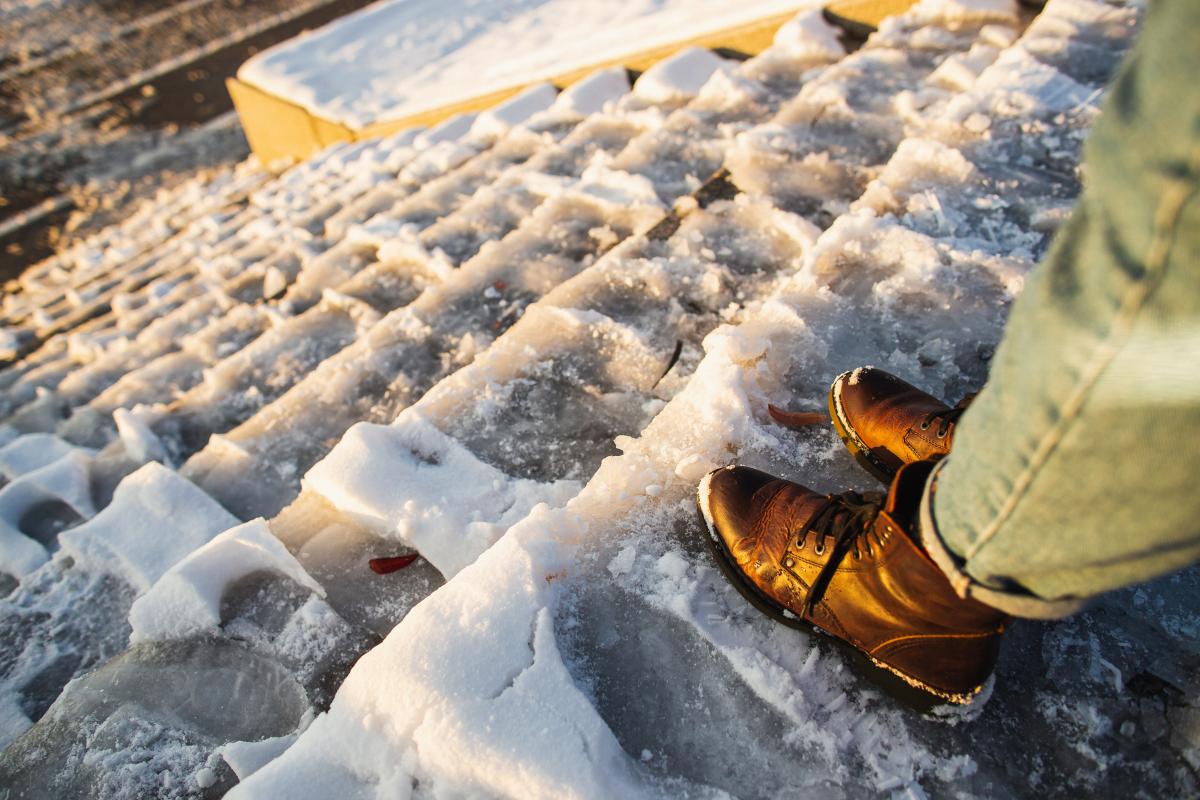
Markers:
point(911, 691)
point(845, 431)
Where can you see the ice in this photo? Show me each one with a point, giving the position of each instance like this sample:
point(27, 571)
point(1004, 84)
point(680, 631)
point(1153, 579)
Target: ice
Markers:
point(867, 278)
point(186, 600)
point(679, 76)
point(155, 519)
point(151, 722)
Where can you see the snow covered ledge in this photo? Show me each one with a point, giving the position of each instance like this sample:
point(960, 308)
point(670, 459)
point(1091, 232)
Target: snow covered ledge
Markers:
point(397, 64)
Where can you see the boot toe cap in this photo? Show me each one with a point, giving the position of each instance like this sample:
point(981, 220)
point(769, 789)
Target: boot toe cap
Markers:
point(726, 499)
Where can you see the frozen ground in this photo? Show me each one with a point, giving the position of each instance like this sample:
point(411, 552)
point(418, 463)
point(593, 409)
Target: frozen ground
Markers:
point(375, 480)
point(103, 102)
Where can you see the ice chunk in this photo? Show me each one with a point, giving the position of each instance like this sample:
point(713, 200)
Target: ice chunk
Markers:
point(141, 444)
point(414, 481)
point(496, 121)
point(246, 758)
point(809, 34)
point(274, 282)
point(155, 518)
point(679, 77)
point(186, 600)
point(594, 92)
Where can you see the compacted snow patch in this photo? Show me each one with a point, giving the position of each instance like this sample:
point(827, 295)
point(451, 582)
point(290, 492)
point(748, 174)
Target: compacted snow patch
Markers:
point(186, 601)
point(155, 519)
point(410, 480)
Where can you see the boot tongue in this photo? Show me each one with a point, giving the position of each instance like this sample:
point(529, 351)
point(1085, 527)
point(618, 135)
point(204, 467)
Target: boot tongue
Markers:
point(903, 502)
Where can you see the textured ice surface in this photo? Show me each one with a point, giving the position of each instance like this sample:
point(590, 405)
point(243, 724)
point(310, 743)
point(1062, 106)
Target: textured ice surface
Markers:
point(150, 722)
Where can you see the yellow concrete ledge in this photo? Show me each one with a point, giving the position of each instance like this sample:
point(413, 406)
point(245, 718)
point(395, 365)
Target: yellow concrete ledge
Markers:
point(863, 16)
point(281, 132)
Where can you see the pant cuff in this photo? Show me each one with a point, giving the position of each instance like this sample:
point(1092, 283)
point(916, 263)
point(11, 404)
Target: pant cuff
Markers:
point(1019, 604)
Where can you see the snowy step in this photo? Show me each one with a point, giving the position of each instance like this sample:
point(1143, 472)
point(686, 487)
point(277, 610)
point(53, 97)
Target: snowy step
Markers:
point(155, 222)
point(822, 148)
point(537, 412)
point(440, 196)
point(692, 143)
point(409, 350)
point(167, 377)
point(614, 119)
point(237, 386)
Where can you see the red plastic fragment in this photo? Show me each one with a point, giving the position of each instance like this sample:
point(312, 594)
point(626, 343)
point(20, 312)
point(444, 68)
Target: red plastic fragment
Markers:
point(385, 566)
point(499, 286)
point(796, 419)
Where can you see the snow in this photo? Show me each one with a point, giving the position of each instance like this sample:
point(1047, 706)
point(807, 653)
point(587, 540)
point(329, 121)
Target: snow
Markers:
point(593, 93)
point(496, 121)
point(397, 58)
point(424, 487)
point(678, 77)
point(186, 600)
point(155, 519)
point(246, 758)
point(808, 34)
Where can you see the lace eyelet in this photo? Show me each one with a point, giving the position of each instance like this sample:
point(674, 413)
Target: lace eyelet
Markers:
point(941, 434)
point(925, 425)
point(819, 549)
point(800, 543)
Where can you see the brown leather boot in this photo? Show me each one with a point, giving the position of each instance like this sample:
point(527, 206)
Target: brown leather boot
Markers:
point(850, 566)
point(887, 423)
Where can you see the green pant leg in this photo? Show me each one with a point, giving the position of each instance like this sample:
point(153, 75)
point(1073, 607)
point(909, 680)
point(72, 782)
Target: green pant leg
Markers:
point(1075, 471)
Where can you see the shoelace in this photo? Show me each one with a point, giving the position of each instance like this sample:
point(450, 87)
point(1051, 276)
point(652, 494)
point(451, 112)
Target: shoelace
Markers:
point(947, 418)
point(846, 518)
